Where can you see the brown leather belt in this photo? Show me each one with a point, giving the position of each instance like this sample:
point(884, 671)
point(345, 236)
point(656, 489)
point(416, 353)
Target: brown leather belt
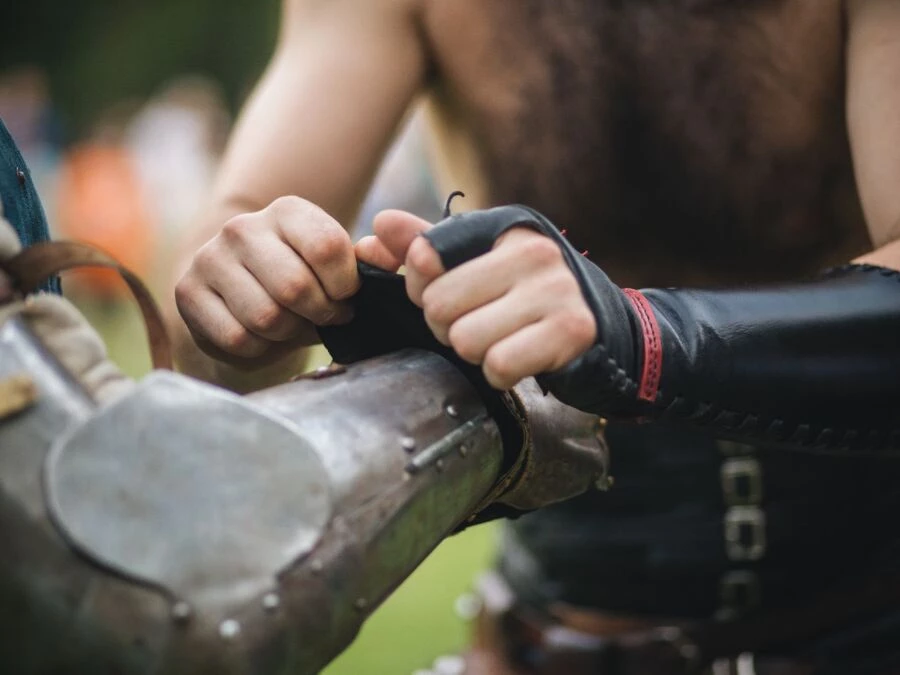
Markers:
point(559, 640)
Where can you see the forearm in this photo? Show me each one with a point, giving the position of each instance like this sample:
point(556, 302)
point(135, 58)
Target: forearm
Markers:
point(191, 360)
point(807, 365)
point(296, 168)
point(812, 365)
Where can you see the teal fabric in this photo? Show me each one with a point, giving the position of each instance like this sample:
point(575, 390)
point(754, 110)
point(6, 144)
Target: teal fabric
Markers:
point(21, 204)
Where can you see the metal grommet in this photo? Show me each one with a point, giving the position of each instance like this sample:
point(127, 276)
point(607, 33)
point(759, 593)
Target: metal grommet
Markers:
point(742, 483)
point(229, 629)
point(271, 602)
point(745, 533)
point(739, 591)
point(181, 612)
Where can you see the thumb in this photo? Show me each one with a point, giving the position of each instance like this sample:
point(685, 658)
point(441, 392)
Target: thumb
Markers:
point(397, 230)
point(370, 250)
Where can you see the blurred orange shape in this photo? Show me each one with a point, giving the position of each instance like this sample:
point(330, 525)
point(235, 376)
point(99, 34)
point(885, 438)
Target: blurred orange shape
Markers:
point(100, 202)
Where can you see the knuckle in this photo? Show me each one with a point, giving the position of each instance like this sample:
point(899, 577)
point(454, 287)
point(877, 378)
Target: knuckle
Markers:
point(238, 228)
point(578, 326)
point(463, 343)
point(237, 340)
point(540, 250)
point(293, 291)
point(499, 366)
point(436, 311)
point(288, 204)
point(265, 317)
point(331, 246)
point(184, 294)
point(205, 259)
point(562, 283)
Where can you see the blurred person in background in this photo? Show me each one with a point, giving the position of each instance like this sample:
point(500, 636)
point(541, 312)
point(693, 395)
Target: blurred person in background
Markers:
point(695, 142)
point(176, 140)
point(31, 118)
point(100, 200)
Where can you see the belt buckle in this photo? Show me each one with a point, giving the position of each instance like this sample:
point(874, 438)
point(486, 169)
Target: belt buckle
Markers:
point(744, 664)
point(742, 481)
point(680, 644)
point(741, 520)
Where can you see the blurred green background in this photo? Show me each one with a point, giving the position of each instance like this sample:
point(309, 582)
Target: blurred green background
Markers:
point(98, 53)
point(121, 109)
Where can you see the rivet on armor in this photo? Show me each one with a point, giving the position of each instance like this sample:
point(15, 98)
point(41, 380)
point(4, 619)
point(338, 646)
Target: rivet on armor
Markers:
point(604, 483)
point(20, 176)
point(271, 602)
point(229, 629)
point(181, 611)
point(360, 603)
point(452, 411)
point(408, 443)
point(316, 566)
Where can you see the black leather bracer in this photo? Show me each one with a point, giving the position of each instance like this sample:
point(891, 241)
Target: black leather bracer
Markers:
point(808, 365)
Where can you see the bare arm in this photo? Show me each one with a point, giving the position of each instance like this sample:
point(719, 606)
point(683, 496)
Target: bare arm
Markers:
point(341, 79)
point(873, 112)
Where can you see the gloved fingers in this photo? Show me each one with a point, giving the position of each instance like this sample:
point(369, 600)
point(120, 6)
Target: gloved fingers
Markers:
point(462, 237)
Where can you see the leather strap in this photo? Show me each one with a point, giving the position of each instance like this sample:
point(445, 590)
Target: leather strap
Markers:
point(829, 612)
point(41, 261)
point(595, 644)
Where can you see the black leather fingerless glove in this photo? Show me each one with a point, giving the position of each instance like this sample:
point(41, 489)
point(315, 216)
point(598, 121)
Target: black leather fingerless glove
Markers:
point(812, 365)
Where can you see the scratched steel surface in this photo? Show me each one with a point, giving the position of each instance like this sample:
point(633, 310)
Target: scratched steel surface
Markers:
point(196, 532)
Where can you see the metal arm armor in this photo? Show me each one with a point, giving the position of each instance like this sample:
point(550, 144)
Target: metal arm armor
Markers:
point(185, 530)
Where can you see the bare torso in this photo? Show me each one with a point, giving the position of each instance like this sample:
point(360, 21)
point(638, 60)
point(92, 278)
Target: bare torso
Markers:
point(679, 141)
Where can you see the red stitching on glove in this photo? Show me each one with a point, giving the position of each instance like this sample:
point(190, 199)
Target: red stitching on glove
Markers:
point(652, 370)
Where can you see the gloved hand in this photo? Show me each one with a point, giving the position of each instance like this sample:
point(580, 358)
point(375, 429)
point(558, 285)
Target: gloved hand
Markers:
point(62, 329)
point(811, 364)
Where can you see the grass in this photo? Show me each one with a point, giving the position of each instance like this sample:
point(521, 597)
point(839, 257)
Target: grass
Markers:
point(418, 622)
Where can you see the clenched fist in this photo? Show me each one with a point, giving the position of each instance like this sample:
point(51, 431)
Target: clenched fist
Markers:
point(257, 289)
point(517, 310)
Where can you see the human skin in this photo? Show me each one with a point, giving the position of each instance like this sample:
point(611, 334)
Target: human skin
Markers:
point(346, 72)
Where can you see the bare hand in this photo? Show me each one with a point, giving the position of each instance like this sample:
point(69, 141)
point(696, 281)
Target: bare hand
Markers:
point(257, 289)
point(517, 310)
